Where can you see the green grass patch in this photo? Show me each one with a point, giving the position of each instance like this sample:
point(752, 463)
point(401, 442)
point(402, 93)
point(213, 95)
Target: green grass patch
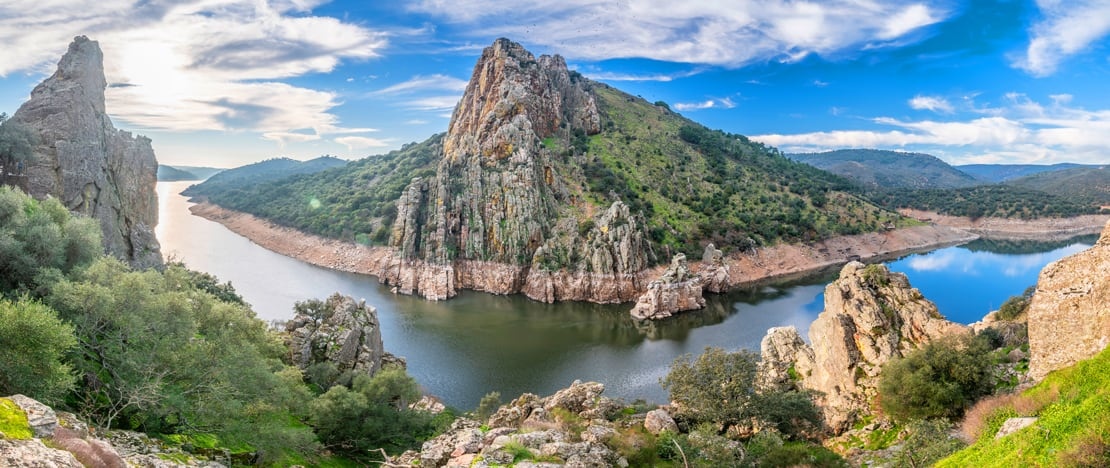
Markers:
point(13, 421)
point(1077, 421)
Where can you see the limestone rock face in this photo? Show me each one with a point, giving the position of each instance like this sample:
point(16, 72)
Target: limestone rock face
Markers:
point(871, 316)
point(1069, 315)
point(342, 331)
point(491, 214)
point(85, 162)
point(675, 291)
point(714, 271)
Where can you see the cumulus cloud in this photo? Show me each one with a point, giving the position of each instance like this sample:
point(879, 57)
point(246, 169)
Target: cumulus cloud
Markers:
point(696, 31)
point(932, 103)
point(723, 103)
point(1023, 130)
point(196, 64)
point(1066, 29)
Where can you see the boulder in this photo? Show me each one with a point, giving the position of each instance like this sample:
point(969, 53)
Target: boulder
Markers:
point(34, 454)
point(41, 418)
point(658, 420)
point(714, 271)
point(339, 330)
point(1069, 314)
point(82, 160)
point(676, 290)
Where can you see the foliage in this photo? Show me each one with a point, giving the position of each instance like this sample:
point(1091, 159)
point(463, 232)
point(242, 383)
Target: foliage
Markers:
point(372, 414)
point(13, 421)
point(210, 284)
point(488, 405)
point(793, 454)
point(1016, 305)
point(928, 440)
point(34, 342)
point(879, 169)
point(1085, 185)
point(940, 379)
point(717, 387)
point(40, 241)
point(1001, 201)
point(17, 143)
point(1074, 423)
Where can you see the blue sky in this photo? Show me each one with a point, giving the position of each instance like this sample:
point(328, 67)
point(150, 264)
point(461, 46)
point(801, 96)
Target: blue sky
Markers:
point(228, 82)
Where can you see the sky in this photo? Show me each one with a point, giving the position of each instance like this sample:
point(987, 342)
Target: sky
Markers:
point(227, 82)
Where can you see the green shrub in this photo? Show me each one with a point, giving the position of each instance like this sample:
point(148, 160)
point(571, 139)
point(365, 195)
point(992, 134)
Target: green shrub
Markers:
point(1016, 305)
point(927, 442)
point(487, 406)
point(34, 341)
point(940, 379)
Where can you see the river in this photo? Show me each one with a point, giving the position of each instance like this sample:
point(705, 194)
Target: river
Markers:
point(475, 343)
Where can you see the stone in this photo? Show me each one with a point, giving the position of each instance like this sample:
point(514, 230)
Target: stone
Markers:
point(658, 420)
point(715, 272)
point(676, 290)
point(780, 350)
point(343, 332)
point(41, 418)
point(82, 160)
point(871, 316)
point(1013, 425)
point(1069, 314)
point(33, 453)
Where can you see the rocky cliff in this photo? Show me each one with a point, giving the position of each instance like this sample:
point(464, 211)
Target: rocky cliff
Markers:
point(1069, 314)
point(871, 316)
point(497, 212)
point(677, 290)
point(84, 161)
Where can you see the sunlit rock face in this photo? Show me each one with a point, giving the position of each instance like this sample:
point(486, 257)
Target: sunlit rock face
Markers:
point(1069, 314)
point(84, 161)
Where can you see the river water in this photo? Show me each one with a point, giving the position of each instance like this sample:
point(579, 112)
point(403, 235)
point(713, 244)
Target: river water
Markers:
point(475, 343)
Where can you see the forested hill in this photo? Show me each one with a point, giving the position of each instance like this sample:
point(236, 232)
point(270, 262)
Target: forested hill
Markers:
point(170, 173)
point(270, 169)
point(690, 184)
point(1086, 185)
point(1005, 172)
point(875, 169)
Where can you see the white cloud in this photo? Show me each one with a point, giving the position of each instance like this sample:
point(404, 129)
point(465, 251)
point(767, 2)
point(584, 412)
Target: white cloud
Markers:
point(695, 31)
point(1066, 29)
point(1021, 131)
point(433, 103)
point(196, 64)
point(932, 103)
point(722, 103)
point(354, 142)
point(284, 138)
point(661, 77)
point(424, 83)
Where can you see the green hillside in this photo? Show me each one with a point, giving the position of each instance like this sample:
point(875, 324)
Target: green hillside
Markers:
point(170, 173)
point(1086, 185)
point(693, 185)
point(879, 169)
point(1005, 172)
point(1072, 430)
point(1002, 201)
point(271, 169)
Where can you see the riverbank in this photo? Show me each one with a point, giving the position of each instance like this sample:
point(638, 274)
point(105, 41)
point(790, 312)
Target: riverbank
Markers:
point(758, 266)
point(1041, 229)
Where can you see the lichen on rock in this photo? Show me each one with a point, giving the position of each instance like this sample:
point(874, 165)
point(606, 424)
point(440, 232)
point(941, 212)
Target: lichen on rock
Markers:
point(340, 331)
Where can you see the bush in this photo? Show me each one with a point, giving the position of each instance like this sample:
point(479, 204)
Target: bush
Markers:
point(34, 342)
point(928, 441)
point(938, 380)
point(487, 406)
point(716, 387)
point(1016, 305)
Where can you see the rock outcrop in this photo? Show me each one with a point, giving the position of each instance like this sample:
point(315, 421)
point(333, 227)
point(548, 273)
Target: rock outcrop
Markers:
point(675, 291)
point(85, 162)
point(495, 215)
point(339, 331)
point(714, 270)
point(871, 316)
point(540, 425)
point(1069, 314)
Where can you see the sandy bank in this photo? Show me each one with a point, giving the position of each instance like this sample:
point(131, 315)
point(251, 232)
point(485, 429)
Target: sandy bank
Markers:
point(1042, 229)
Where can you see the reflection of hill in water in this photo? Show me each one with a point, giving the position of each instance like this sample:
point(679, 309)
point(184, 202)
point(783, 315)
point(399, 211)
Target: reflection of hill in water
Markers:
point(1020, 247)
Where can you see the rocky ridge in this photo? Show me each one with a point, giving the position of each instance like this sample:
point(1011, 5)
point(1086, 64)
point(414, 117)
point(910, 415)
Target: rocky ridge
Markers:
point(493, 215)
point(871, 316)
point(1069, 314)
point(85, 162)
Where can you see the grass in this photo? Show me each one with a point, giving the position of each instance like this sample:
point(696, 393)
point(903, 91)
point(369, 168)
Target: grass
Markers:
point(13, 421)
point(1070, 430)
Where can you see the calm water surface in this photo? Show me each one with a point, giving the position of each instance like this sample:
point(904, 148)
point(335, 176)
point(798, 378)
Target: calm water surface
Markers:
point(476, 343)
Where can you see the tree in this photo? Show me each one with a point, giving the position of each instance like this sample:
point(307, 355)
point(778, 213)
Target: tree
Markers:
point(34, 342)
point(17, 143)
point(40, 241)
point(715, 387)
point(938, 380)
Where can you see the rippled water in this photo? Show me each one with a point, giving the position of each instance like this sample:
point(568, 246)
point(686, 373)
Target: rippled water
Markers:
point(476, 343)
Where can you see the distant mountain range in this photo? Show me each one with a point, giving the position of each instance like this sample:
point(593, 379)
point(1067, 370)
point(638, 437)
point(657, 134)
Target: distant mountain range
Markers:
point(888, 169)
point(1083, 184)
point(1005, 172)
point(259, 172)
point(167, 173)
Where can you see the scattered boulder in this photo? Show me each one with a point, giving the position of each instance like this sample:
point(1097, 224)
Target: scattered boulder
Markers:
point(41, 418)
point(34, 454)
point(339, 331)
point(1013, 425)
point(82, 160)
point(658, 420)
point(676, 290)
point(1069, 314)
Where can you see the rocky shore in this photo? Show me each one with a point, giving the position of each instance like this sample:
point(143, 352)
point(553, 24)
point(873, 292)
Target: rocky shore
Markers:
point(1041, 229)
point(743, 269)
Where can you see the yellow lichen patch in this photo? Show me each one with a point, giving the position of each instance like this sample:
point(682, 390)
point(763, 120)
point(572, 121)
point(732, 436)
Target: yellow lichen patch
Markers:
point(13, 421)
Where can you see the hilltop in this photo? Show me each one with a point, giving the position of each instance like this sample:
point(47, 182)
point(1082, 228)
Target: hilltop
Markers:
point(1004, 172)
point(263, 171)
point(879, 169)
point(1086, 185)
point(566, 185)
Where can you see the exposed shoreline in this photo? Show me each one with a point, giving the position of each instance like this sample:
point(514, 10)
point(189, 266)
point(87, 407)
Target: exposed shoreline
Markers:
point(760, 266)
point(1041, 229)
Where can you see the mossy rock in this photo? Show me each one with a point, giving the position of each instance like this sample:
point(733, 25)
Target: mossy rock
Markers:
point(13, 421)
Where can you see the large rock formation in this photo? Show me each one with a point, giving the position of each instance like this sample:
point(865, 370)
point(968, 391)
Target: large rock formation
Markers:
point(1069, 315)
point(871, 316)
point(675, 291)
point(339, 331)
point(494, 217)
point(714, 270)
point(82, 160)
